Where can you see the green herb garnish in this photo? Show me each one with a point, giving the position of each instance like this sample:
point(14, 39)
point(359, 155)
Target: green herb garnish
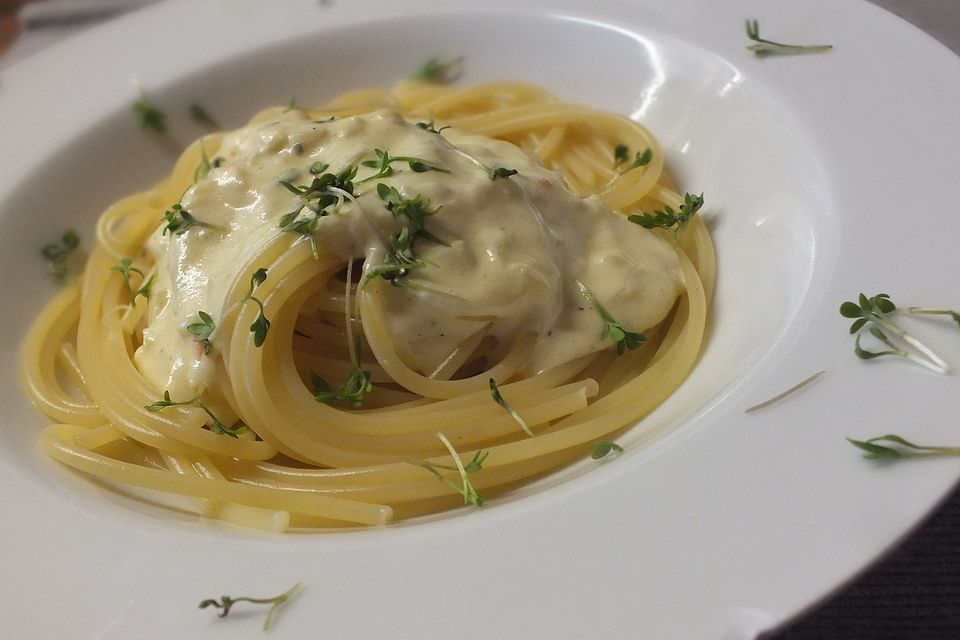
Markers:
point(353, 389)
point(203, 330)
point(469, 493)
point(876, 310)
point(502, 172)
point(603, 448)
point(673, 221)
point(57, 255)
point(261, 325)
point(326, 190)
point(150, 116)
point(413, 210)
point(384, 160)
point(179, 221)
point(217, 426)
point(291, 105)
point(206, 164)
point(621, 153)
point(642, 158)
point(430, 126)
point(226, 603)
point(903, 449)
point(125, 268)
point(199, 114)
point(438, 71)
point(499, 399)
point(768, 47)
point(611, 328)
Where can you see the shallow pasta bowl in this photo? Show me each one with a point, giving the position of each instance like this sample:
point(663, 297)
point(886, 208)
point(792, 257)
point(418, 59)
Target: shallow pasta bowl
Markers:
point(824, 176)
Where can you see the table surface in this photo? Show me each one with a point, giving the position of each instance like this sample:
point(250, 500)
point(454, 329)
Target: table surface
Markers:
point(912, 593)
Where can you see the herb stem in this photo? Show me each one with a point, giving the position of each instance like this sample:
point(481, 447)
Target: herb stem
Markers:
point(904, 448)
point(936, 362)
point(780, 396)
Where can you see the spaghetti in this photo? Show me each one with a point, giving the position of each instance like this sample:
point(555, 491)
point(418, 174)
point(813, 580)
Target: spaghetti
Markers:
point(254, 433)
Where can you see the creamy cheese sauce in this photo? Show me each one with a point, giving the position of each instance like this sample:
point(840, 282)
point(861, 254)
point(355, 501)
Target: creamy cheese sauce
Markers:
point(512, 249)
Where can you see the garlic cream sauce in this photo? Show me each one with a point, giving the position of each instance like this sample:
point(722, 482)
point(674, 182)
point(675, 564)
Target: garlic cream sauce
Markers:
point(512, 248)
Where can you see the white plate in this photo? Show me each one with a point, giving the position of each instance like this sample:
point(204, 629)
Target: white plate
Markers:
point(825, 175)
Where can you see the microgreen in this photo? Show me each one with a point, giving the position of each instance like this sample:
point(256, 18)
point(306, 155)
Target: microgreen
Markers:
point(611, 328)
point(621, 153)
point(673, 221)
point(202, 330)
point(439, 71)
point(179, 221)
point(466, 489)
point(326, 190)
point(216, 425)
point(150, 116)
point(499, 399)
point(902, 448)
point(353, 389)
point(768, 47)
point(875, 310)
point(200, 115)
point(291, 105)
point(383, 161)
point(206, 164)
point(642, 158)
point(502, 172)
point(226, 603)
point(431, 127)
point(125, 268)
point(261, 325)
point(604, 448)
point(413, 210)
point(57, 255)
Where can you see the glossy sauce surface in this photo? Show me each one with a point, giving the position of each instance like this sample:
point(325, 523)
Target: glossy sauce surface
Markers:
point(502, 257)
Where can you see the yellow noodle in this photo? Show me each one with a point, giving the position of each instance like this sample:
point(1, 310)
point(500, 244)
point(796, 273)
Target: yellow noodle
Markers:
point(301, 463)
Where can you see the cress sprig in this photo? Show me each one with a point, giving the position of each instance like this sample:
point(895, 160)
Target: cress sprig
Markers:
point(58, 254)
point(206, 164)
point(353, 389)
point(621, 153)
point(902, 448)
point(673, 221)
point(499, 399)
point(202, 331)
point(202, 116)
point(466, 489)
point(605, 449)
point(413, 210)
point(261, 325)
point(326, 190)
point(125, 268)
point(180, 220)
point(767, 47)
point(216, 425)
point(611, 328)
point(150, 116)
point(501, 172)
point(431, 127)
point(439, 71)
point(383, 161)
point(876, 311)
point(226, 603)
